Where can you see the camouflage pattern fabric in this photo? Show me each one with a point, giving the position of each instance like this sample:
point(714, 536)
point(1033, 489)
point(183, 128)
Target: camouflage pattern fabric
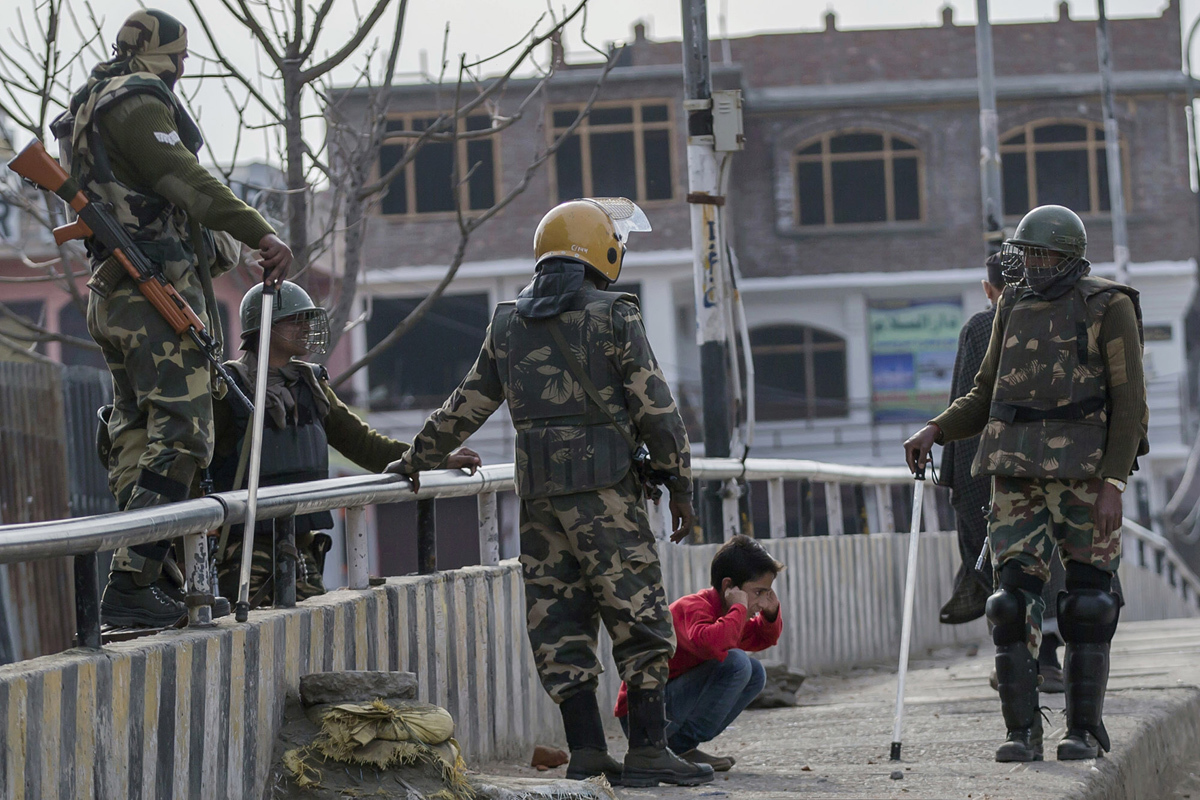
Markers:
point(309, 580)
point(550, 408)
point(585, 558)
point(1052, 356)
point(1029, 516)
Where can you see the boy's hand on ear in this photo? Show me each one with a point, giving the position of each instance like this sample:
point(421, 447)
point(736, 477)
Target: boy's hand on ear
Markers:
point(769, 606)
point(734, 594)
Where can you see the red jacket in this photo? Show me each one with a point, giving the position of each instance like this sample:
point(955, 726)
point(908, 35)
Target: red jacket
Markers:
point(704, 633)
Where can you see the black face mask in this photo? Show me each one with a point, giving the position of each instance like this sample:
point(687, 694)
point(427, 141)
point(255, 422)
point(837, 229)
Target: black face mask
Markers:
point(1056, 284)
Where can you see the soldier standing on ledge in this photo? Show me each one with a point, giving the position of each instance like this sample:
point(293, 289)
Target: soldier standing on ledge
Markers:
point(583, 389)
point(131, 144)
point(1061, 401)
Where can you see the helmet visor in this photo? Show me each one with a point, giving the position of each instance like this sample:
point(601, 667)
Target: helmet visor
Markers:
point(626, 215)
point(1033, 267)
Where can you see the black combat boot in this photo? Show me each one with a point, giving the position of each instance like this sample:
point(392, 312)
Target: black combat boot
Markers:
point(128, 604)
point(585, 739)
point(649, 761)
point(1085, 669)
point(1017, 682)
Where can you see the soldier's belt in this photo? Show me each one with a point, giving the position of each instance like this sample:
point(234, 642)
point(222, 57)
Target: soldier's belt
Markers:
point(1009, 413)
point(105, 279)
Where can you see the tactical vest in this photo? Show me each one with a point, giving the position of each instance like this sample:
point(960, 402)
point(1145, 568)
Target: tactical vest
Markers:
point(1050, 404)
point(292, 454)
point(564, 443)
point(158, 226)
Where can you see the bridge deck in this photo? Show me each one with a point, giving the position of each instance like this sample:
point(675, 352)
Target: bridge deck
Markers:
point(836, 743)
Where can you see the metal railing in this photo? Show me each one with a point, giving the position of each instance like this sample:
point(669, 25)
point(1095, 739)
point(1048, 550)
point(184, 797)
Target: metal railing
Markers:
point(193, 520)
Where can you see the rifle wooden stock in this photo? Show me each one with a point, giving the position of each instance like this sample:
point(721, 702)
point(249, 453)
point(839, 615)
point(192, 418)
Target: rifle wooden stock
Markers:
point(34, 164)
point(75, 230)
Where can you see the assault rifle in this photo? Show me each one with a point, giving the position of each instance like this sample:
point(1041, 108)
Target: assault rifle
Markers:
point(110, 238)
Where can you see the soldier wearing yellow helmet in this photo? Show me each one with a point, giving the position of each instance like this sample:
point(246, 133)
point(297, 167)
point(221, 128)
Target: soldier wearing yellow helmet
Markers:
point(584, 390)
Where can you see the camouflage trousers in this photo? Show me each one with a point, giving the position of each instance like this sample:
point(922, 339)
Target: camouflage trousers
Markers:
point(162, 402)
point(1029, 516)
point(309, 579)
point(588, 557)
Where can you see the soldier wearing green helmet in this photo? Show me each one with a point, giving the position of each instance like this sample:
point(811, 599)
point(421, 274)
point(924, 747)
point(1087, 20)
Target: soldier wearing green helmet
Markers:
point(1060, 400)
point(304, 418)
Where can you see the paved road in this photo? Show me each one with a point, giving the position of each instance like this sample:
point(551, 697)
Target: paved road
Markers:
point(835, 744)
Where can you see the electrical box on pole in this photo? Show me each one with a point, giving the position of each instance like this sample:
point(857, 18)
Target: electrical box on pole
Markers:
point(727, 120)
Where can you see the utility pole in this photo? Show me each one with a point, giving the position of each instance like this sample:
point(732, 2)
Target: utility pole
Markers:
point(989, 137)
point(709, 256)
point(1112, 148)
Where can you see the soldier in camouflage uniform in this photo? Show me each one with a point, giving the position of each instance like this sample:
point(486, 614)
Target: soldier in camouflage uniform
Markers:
point(583, 388)
point(131, 144)
point(304, 418)
point(1061, 401)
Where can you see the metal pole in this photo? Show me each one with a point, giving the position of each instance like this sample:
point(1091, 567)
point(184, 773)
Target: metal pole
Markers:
point(989, 136)
point(285, 562)
point(198, 580)
point(709, 256)
point(87, 602)
point(357, 566)
point(910, 591)
point(1112, 147)
point(426, 537)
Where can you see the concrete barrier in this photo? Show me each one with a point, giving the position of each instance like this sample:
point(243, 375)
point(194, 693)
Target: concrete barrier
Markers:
point(194, 713)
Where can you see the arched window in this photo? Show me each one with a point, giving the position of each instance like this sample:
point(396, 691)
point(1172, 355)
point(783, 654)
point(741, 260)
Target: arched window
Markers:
point(799, 373)
point(1058, 162)
point(857, 177)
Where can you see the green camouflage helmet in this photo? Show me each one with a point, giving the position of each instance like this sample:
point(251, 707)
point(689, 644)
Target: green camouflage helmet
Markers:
point(1053, 227)
point(290, 301)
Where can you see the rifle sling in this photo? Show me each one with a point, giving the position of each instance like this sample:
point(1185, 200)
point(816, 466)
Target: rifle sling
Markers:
point(589, 388)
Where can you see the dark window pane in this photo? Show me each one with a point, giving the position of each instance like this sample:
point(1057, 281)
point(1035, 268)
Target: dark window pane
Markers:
point(812, 149)
point(394, 125)
point(1062, 179)
point(1102, 174)
point(622, 115)
point(810, 188)
point(612, 165)
point(1098, 135)
point(568, 167)
point(858, 192)
point(482, 186)
point(1016, 184)
point(900, 144)
point(856, 143)
point(1016, 139)
point(479, 122)
point(434, 166)
point(654, 113)
point(657, 147)
point(564, 117)
point(438, 351)
point(907, 187)
point(423, 123)
point(396, 199)
point(780, 385)
point(1059, 133)
point(829, 383)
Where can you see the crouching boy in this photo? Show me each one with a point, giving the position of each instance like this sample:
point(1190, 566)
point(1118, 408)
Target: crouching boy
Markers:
point(712, 679)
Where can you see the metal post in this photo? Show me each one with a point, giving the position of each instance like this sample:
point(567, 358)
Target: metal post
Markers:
point(776, 508)
point(883, 499)
point(709, 258)
point(1112, 148)
point(285, 562)
point(989, 137)
point(87, 601)
point(357, 570)
point(489, 530)
point(426, 537)
point(197, 572)
point(833, 509)
point(730, 510)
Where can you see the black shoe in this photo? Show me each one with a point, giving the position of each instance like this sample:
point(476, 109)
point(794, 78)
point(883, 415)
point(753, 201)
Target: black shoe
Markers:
point(585, 738)
point(1078, 745)
point(967, 603)
point(127, 605)
point(649, 761)
point(220, 607)
point(1017, 683)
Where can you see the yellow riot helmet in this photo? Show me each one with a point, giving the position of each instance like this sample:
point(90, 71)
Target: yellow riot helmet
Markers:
point(593, 230)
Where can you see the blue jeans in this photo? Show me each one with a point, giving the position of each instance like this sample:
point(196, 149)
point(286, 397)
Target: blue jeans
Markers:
point(705, 700)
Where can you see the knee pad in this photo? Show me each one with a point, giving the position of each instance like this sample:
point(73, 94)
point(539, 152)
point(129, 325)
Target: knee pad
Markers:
point(1006, 612)
point(1088, 616)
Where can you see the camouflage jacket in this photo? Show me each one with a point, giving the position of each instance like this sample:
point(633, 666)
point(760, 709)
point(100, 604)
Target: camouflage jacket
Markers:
point(1060, 393)
point(563, 443)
